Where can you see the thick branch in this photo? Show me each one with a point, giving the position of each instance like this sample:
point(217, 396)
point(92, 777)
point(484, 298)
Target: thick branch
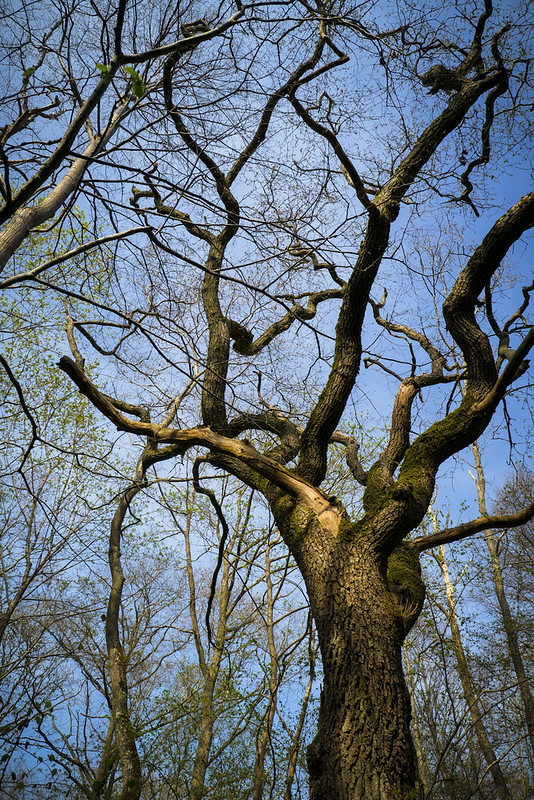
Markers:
point(389, 197)
point(459, 307)
point(25, 219)
point(31, 187)
point(274, 422)
point(449, 535)
point(183, 440)
point(347, 354)
point(327, 413)
point(463, 425)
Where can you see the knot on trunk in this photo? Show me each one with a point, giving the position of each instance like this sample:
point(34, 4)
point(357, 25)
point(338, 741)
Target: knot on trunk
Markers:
point(405, 584)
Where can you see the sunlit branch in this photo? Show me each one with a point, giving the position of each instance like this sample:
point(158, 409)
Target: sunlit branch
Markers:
point(449, 535)
point(203, 437)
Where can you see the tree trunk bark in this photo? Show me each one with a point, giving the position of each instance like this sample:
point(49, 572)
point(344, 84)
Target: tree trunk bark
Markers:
point(363, 749)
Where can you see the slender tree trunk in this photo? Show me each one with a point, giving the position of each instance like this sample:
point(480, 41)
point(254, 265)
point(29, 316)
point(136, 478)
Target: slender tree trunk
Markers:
point(422, 763)
point(507, 618)
point(475, 710)
point(210, 669)
point(108, 761)
point(124, 733)
point(264, 734)
point(295, 744)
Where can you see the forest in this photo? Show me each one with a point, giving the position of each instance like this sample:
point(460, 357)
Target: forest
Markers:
point(267, 517)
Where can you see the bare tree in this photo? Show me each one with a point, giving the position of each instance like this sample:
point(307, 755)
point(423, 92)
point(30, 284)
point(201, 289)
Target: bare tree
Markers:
point(276, 208)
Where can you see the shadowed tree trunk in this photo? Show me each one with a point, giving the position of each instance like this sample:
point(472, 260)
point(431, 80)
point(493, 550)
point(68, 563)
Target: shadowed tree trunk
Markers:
point(363, 747)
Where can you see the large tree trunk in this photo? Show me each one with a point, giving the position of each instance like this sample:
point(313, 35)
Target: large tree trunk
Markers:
point(362, 608)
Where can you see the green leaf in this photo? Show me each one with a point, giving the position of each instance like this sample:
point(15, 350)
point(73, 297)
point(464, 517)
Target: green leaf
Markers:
point(138, 87)
point(29, 71)
point(138, 84)
point(103, 69)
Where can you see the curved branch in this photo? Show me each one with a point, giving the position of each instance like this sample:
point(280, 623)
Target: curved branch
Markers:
point(181, 46)
point(325, 417)
point(27, 413)
point(242, 337)
point(491, 99)
point(436, 358)
point(222, 544)
point(509, 373)
point(459, 307)
point(221, 183)
point(261, 131)
point(347, 356)
point(390, 196)
point(83, 248)
point(345, 161)
point(183, 440)
point(274, 422)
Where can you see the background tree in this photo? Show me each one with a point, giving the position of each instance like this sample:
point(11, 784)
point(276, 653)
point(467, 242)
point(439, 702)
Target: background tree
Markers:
point(277, 205)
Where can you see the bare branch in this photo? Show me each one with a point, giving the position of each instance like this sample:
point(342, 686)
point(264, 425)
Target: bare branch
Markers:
point(76, 251)
point(449, 535)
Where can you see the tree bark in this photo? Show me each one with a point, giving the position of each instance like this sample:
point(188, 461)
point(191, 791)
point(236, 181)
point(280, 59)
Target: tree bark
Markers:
point(363, 749)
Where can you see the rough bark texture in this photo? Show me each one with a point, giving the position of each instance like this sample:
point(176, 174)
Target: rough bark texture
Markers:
point(362, 610)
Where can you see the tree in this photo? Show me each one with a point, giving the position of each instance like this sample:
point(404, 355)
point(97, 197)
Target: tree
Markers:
point(468, 662)
point(276, 205)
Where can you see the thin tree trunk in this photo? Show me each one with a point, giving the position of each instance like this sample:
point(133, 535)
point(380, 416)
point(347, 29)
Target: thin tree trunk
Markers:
point(508, 621)
point(108, 761)
point(124, 734)
point(210, 670)
point(466, 678)
point(422, 763)
point(295, 744)
point(264, 734)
